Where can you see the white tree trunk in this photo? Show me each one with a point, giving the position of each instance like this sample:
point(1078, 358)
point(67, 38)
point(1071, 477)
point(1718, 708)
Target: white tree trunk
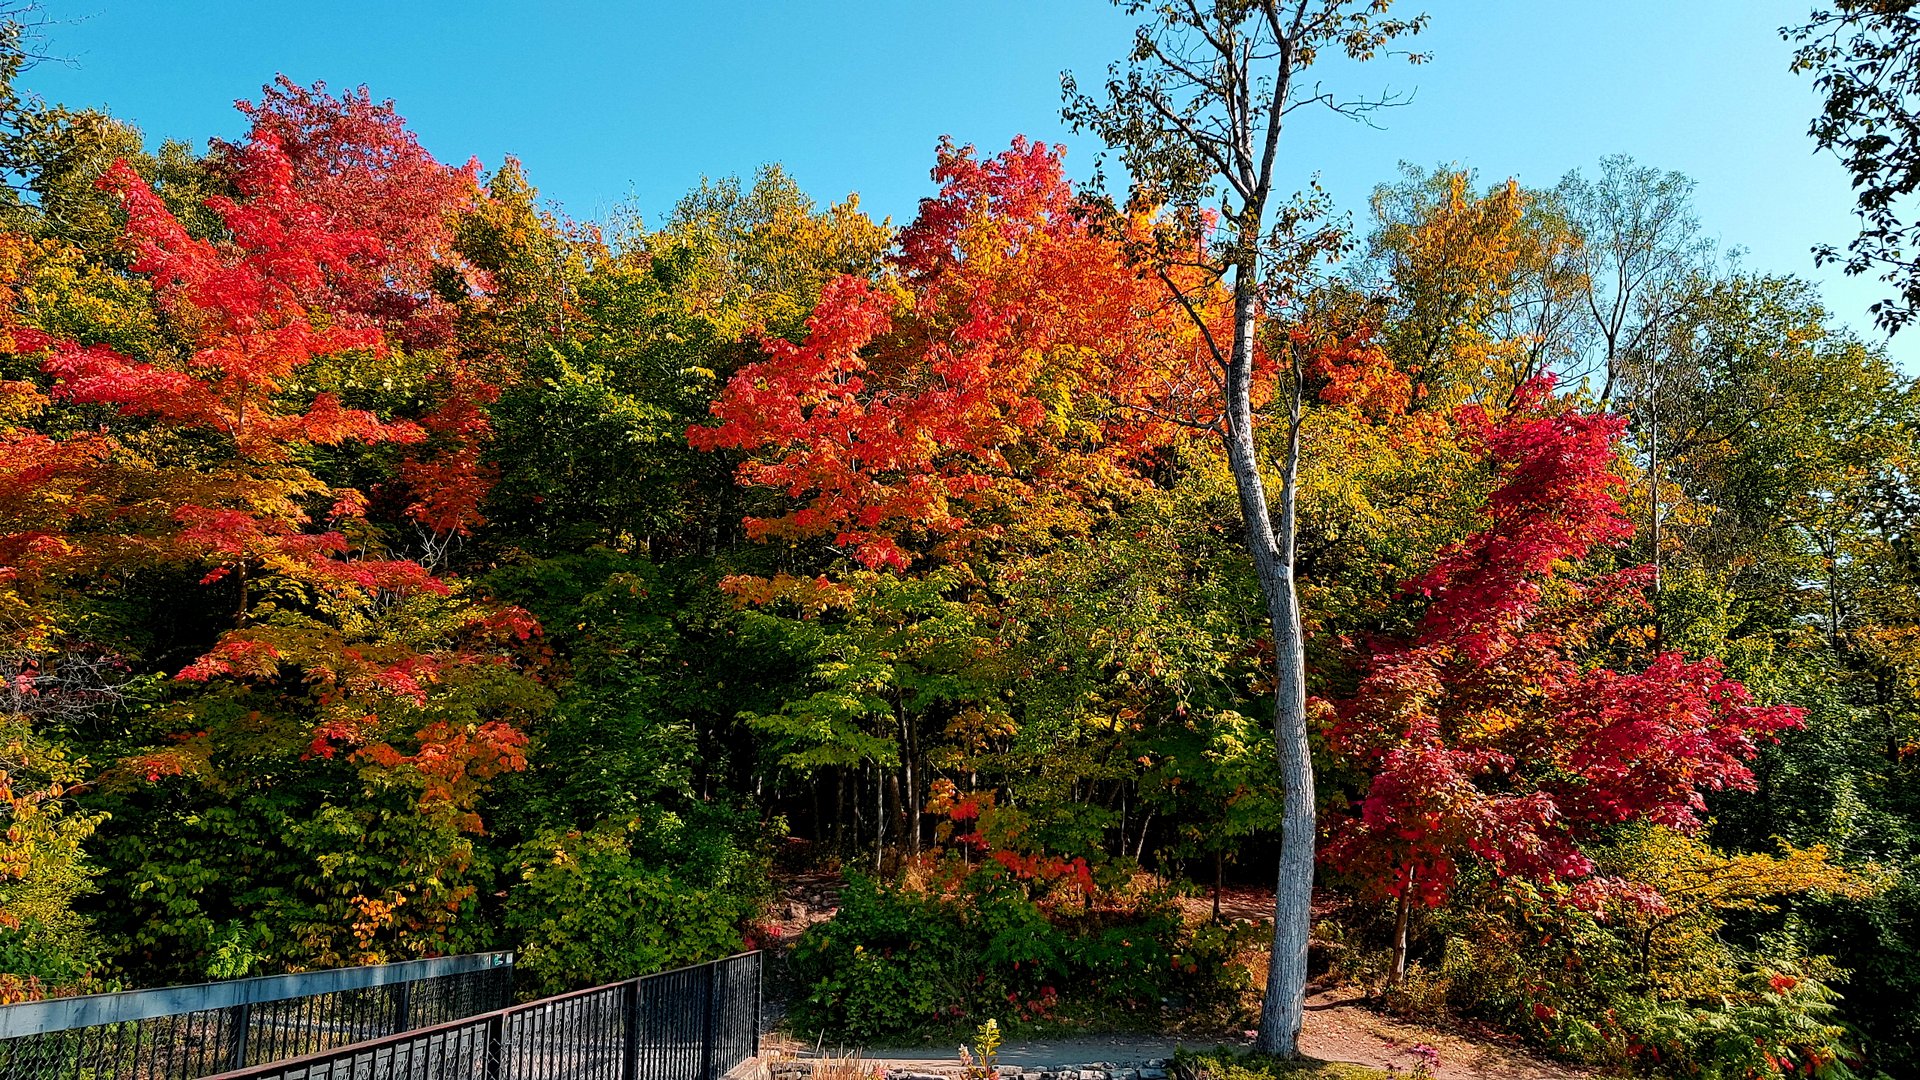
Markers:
point(1273, 558)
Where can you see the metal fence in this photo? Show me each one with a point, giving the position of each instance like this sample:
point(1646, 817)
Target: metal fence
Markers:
point(186, 1032)
point(695, 1023)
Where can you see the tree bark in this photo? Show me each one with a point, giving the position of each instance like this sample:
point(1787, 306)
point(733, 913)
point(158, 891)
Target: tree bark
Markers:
point(879, 818)
point(900, 818)
point(1402, 915)
point(1272, 549)
point(1653, 495)
point(840, 811)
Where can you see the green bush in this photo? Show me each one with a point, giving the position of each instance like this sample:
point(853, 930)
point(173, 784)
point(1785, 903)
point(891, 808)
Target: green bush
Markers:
point(629, 898)
point(1671, 998)
point(902, 960)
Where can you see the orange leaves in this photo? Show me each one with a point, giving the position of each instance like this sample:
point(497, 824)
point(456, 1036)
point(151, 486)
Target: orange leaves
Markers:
point(450, 479)
point(1006, 382)
point(453, 762)
point(1358, 375)
point(811, 596)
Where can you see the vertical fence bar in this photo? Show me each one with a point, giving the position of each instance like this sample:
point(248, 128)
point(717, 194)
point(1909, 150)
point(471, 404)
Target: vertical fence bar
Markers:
point(496, 1050)
point(242, 1019)
point(403, 1007)
point(712, 987)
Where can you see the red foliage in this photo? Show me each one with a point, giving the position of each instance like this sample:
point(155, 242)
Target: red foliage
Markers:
point(242, 305)
point(1487, 733)
point(307, 268)
point(975, 823)
point(354, 160)
point(448, 484)
point(1014, 364)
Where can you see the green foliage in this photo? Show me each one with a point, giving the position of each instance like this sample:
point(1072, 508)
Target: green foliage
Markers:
point(977, 942)
point(1084, 678)
point(45, 945)
point(1661, 993)
point(629, 898)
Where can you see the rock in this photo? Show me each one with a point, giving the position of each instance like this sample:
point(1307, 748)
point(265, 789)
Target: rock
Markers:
point(1153, 1073)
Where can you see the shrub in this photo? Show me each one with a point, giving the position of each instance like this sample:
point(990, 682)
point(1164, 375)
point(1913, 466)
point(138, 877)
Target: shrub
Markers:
point(629, 898)
point(1665, 995)
point(951, 944)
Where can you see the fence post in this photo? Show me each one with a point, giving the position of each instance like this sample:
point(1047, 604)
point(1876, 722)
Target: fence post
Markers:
point(630, 1061)
point(759, 996)
point(706, 1039)
point(496, 1046)
point(242, 1017)
point(403, 1008)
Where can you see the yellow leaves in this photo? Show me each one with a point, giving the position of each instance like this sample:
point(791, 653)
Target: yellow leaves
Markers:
point(1472, 273)
point(1490, 726)
point(975, 729)
point(1693, 876)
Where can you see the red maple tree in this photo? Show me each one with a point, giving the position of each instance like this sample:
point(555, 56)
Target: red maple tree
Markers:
point(1490, 732)
point(246, 314)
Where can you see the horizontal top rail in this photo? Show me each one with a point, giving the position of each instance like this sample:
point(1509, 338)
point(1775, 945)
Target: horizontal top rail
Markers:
point(412, 1034)
point(62, 1014)
point(484, 1021)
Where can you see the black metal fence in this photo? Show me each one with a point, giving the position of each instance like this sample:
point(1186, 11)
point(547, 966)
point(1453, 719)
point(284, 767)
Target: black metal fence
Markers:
point(695, 1023)
point(186, 1032)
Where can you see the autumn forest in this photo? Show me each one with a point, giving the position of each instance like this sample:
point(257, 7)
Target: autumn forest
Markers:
point(394, 566)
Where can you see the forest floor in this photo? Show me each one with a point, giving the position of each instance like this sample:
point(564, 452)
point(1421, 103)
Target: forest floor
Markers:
point(1339, 1026)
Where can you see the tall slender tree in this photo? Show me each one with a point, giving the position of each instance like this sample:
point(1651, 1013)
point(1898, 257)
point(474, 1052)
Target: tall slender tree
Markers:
point(1195, 115)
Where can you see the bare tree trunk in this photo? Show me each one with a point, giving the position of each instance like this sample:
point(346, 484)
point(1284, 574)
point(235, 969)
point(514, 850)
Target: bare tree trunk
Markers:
point(900, 818)
point(879, 818)
point(1402, 915)
point(1653, 503)
point(1273, 559)
point(1209, 86)
point(1219, 879)
point(840, 811)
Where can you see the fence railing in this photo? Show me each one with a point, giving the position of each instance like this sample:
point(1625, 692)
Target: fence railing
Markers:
point(187, 1032)
point(695, 1023)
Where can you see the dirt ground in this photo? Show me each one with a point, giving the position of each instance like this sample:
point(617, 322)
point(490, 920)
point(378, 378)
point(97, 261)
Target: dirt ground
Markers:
point(1340, 1027)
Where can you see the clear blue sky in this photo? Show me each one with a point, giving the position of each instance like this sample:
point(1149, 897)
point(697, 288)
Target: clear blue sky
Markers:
point(608, 101)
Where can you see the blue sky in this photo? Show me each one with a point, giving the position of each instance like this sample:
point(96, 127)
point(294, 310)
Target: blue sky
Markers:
point(611, 102)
